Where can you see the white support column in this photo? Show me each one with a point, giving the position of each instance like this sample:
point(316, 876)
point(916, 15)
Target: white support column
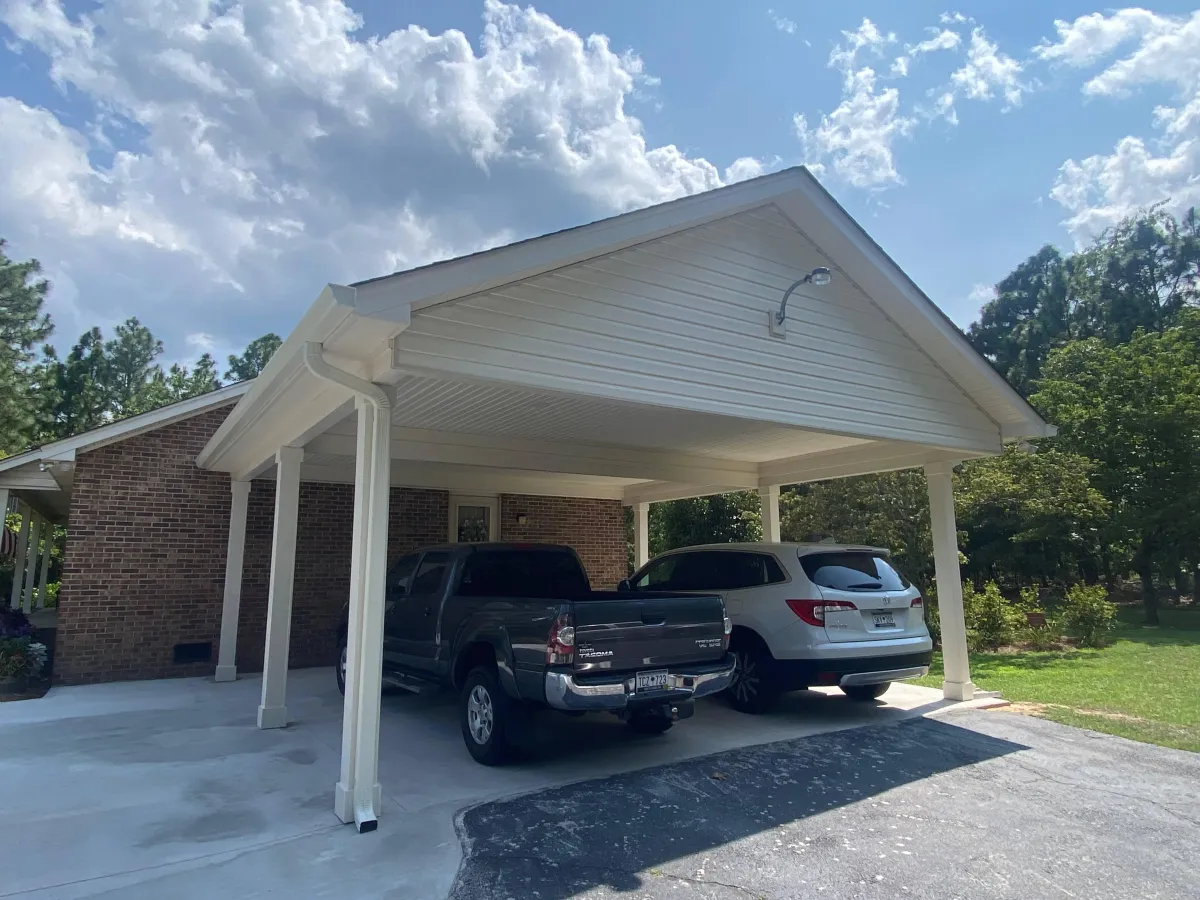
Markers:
point(641, 534)
point(272, 712)
point(43, 577)
point(31, 562)
point(357, 793)
point(957, 684)
point(18, 582)
point(235, 550)
point(769, 498)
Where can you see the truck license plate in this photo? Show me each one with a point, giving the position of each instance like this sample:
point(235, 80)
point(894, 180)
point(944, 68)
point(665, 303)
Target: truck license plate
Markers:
point(650, 681)
point(884, 620)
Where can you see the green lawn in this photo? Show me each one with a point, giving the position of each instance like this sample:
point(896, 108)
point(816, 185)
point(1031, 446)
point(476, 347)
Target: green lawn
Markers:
point(1145, 686)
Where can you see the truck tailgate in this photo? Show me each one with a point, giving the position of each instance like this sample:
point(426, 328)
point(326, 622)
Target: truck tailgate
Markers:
point(624, 632)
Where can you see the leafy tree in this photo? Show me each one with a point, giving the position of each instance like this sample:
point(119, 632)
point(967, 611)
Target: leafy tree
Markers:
point(130, 369)
point(254, 359)
point(1134, 409)
point(23, 325)
point(1029, 516)
point(719, 519)
point(886, 510)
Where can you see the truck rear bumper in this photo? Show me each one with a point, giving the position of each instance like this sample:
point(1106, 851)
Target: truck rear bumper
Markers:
point(565, 690)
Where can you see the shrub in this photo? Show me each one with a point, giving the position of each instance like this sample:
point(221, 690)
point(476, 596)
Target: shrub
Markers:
point(1088, 615)
point(21, 656)
point(933, 620)
point(992, 620)
point(1047, 638)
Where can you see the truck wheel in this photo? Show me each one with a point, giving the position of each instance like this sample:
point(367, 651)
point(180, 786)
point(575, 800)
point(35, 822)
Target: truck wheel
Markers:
point(340, 668)
point(864, 693)
point(485, 716)
point(649, 723)
point(752, 689)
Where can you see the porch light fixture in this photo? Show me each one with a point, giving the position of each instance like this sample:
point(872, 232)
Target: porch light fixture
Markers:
point(818, 277)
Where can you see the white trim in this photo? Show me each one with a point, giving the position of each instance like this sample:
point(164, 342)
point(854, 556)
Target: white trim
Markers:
point(66, 449)
point(940, 480)
point(492, 502)
point(272, 711)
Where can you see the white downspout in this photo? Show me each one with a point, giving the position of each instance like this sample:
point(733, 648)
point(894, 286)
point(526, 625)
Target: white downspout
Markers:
point(357, 794)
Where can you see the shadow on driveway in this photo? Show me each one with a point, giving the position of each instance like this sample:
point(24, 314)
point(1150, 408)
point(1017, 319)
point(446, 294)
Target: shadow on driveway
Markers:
point(608, 834)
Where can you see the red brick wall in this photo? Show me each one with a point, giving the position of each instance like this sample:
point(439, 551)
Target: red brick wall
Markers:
point(595, 528)
point(145, 556)
point(145, 559)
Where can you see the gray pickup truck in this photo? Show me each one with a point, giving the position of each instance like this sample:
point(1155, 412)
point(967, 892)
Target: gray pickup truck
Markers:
point(513, 627)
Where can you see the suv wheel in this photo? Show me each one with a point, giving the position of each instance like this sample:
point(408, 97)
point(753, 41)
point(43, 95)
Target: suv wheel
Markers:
point(340, 668)
point(484, 713)
point(753, 689)
point(864, 693)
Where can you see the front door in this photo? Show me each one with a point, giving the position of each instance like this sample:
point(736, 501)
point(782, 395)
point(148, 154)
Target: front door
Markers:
point(419, 611)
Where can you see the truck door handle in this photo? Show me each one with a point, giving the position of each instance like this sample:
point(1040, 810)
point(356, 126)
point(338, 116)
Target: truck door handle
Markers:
point(653, 620)
point(428, 610)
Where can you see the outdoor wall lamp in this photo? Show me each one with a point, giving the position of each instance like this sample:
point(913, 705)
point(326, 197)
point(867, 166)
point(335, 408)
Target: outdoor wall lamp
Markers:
point(818, 277)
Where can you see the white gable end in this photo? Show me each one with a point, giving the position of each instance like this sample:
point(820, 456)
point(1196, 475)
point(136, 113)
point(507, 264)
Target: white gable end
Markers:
point(682, 321)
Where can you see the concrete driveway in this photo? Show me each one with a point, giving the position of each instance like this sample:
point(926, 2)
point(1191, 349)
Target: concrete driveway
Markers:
point(969, 804)
point(167, 789)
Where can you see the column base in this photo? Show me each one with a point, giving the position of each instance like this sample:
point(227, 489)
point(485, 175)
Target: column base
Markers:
point(343, 802)
point(225, 673)
point(958, 690)
point(272, 716)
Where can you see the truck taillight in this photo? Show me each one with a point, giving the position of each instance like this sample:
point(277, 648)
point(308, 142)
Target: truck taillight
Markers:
point(560, 643)
point(813, 611)
point(728, 632)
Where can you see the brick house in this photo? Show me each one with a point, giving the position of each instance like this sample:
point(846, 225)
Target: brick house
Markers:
point(740, 339)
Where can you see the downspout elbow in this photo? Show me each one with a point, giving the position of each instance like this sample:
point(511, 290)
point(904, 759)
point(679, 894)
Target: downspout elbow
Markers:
point(315, 362)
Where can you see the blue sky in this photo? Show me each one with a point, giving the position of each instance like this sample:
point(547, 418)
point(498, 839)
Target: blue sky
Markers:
point(208, 168)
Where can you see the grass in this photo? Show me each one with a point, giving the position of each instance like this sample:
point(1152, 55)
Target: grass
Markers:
point(1144, 686)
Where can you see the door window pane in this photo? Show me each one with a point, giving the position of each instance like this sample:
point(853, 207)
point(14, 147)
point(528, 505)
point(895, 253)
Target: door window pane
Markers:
point(401, 574)
point(431, 573)
point(657, 575)
point(474, 523)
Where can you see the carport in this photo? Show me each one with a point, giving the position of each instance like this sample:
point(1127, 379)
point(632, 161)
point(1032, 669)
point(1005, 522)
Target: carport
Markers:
point(646, 357)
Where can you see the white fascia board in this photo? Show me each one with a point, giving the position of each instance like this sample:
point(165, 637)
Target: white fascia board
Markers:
point(449, 280)
point(66, 449)
point(476, 481)
point(817, 214)
point(661, 491)
point(866, 459)
point(549, 456)
point(28, 477)
point(323, 320)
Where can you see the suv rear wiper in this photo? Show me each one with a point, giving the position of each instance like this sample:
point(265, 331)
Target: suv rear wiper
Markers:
point(865, 586)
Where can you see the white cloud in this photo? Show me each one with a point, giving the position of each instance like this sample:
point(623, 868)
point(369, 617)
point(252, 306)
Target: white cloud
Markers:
point(784, 24)
point(989, 71)
point(859, 134)
point(1101, 189)
point(954, 18)
point(943, 39)
point(981, 294)
point(867, 37)
point(266, 148)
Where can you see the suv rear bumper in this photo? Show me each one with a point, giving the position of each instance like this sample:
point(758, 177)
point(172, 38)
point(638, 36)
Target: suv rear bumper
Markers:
point(796, 674)
point(615, 691)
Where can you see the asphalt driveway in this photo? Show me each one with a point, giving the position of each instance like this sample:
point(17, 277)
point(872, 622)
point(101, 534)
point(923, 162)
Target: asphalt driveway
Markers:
point(969, 804)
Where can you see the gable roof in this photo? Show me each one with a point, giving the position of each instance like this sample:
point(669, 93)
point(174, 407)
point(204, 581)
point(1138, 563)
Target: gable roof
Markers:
point(65, 449)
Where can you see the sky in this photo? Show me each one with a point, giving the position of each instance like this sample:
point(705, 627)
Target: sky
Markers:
point(208, 166)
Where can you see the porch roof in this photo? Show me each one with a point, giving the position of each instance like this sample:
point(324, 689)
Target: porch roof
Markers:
point(632, 358)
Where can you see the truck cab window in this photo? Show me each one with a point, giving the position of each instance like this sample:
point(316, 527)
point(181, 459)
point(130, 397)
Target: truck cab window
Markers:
point(431, 573)
point(401, 573)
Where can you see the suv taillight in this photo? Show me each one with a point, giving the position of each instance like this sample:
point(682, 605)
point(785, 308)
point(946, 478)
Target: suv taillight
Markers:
point(813, 611)
point(560, 643)
point(916, 602)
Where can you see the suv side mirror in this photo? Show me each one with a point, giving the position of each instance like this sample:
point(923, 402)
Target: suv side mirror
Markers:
point(624, 586)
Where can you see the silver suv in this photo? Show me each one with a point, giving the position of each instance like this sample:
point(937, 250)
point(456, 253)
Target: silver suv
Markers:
point(804, 615)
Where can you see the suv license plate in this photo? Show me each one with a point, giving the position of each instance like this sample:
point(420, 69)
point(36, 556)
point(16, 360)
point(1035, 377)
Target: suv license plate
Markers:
point(650, 681)
point(884, 620)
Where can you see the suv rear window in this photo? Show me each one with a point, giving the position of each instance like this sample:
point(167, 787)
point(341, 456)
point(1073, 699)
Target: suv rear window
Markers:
point(852, 571)
point(538, 574)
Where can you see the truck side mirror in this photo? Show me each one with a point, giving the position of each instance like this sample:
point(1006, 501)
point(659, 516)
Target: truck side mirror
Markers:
point(624, 586)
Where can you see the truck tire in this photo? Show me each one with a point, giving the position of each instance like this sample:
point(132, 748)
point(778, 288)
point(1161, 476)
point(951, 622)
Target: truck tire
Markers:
point(340, 668)
point(753, 689)
point(865, 693)
point(649, 723)
point(487, 718)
